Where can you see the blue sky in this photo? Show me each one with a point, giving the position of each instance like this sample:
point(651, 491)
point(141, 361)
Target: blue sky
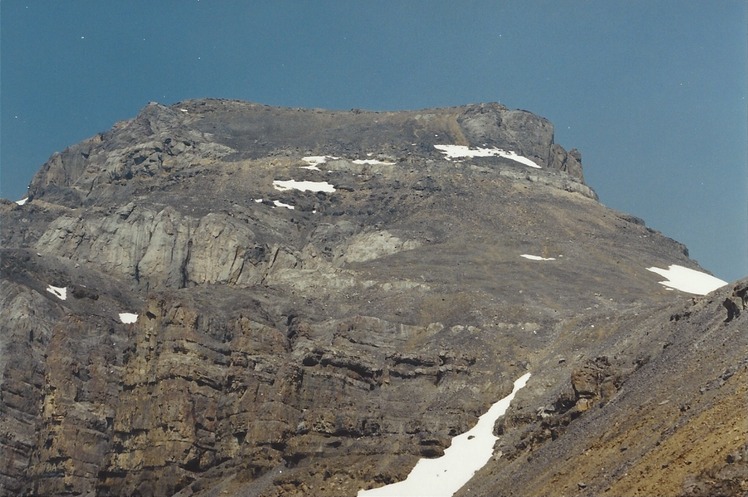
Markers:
point(652, 92)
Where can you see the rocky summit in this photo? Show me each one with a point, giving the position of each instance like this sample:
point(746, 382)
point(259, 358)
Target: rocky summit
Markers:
point(226, 298)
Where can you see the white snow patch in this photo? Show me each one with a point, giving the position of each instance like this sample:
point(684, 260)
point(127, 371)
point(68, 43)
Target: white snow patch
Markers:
point(60, 293)
point(459, 151)
point(184, 110)
point(22, 201)
point(128, 317)
point(688, 280)
point(537, 257)
point(278, 203)
point(469, 452)
point(372, 162)
point(316, 160)
point(312, 186)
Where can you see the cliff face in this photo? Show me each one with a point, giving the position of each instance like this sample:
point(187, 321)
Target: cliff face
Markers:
point(321, 298)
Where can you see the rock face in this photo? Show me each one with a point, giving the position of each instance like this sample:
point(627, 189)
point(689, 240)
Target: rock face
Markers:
point(324, 297)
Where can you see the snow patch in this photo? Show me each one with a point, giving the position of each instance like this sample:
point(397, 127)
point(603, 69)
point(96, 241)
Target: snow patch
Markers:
point(278, 203)
point(312, 186)
point(22, 201)
point(128, 317)
point(688, 280)
point(316, 160)
point(469, 452)
point(459, 151)
point(537, 257)
point(372, 162)
point(59, 292)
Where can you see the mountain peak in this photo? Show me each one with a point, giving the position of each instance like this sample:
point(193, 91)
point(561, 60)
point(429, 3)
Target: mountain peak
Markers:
point(226, 297)
point(235, 130)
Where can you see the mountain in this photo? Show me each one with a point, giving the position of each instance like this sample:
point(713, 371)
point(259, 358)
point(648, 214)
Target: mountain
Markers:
point(226, 298)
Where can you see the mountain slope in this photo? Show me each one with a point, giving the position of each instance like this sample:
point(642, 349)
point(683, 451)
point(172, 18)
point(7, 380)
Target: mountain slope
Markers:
point(321, 298)
point(670, 422)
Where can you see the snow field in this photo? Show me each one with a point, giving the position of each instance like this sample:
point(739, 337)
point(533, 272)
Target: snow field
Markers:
point(461, 151)
point(372, 162)
point(59, 292)
point(128, 317)
point(537, 257)
point(469, 452)
point(278, 203)
point(312, 186)
point(688, 280)
point(316, 160)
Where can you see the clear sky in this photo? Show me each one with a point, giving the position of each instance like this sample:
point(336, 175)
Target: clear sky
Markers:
point(652, 92)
